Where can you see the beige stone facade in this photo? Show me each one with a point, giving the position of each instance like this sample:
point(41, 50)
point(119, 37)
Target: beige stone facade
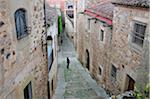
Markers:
point(22, 60)
point(52, 47)
point(116, 53)
point(129, 58)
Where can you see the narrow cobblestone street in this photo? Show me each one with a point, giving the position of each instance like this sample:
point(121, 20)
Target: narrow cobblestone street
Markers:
point(75, 82)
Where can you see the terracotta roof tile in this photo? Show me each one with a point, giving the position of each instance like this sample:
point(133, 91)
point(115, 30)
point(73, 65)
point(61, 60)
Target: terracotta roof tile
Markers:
point(104, 9)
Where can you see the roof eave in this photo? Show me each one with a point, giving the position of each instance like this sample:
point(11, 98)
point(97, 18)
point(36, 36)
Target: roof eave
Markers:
point(129, 5)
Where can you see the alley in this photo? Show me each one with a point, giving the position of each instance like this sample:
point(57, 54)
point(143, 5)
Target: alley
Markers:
point(75, 82)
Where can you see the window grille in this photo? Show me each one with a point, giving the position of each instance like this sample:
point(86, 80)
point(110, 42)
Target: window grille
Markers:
point(138, 34)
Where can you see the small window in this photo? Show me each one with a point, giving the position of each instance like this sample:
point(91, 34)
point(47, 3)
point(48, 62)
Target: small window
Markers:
point(100, 71)
point(70, 13)
point(70, 6)
point(113, 71)
point(102, 35)
point(52, 85)
point(87, 26)
point(21, 24)
point(138, 33)
point(50, 59)
point(28, 91)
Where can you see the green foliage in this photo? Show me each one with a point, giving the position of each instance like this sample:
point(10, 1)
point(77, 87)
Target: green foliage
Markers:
point(145, 94)
point(60, 24)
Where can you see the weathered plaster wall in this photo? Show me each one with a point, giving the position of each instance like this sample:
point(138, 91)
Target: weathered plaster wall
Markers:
point(22, 60)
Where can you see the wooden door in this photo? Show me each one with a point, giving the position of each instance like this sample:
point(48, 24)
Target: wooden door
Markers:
point(131, 83)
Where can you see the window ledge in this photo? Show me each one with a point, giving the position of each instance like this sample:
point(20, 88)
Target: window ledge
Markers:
point(23, 36)
point(136, 48)
point(99, 77)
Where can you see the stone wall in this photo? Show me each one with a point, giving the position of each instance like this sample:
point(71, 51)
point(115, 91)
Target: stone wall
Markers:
point(52, 19)
point(99, 51)
point(24, 60)
point(117, 49)
point(80, 31)
point(124, 55)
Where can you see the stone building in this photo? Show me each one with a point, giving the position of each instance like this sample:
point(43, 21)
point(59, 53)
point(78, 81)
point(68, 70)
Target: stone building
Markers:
point(52, 47)
point(130, 45)
point(110, 45)
point(23, 56)
point(94, 39)
point(70, 13)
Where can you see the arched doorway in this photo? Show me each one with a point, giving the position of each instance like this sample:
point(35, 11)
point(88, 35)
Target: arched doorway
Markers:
point(87, 60)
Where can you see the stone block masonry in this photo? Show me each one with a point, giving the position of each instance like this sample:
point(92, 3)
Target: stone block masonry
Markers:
point(22, 60)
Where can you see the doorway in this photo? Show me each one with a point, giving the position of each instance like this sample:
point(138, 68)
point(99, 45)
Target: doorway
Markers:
point(87, 60)
point(48, 90)
point(130, 83)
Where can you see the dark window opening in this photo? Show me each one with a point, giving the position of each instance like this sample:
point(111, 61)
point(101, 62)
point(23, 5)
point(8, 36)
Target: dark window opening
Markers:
point(113, 71)
point(28, 91)
point(70, 6)
point(52, 85)
point(20, 23)
point(50, 60)
point(89, 25)
point(100, 71)
point(87, 60)
point(70, 13)
point(48, 90)
point(102, 35)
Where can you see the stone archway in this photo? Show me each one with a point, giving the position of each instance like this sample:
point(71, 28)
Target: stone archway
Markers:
point(87, 60)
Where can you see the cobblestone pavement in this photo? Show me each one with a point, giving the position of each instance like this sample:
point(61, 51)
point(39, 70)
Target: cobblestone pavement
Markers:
point(75, 82)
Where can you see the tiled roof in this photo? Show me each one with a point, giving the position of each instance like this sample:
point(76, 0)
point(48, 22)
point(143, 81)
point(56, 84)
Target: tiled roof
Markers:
point(103, 8)
point(136, 3)
point(94, 15)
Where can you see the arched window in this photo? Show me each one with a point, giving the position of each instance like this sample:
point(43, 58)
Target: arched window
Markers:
point(21, 24)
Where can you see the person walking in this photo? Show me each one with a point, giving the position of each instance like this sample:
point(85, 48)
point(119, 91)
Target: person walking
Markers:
point(68, 62)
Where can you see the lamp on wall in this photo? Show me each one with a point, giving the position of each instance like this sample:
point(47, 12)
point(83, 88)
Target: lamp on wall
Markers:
point(95, 21)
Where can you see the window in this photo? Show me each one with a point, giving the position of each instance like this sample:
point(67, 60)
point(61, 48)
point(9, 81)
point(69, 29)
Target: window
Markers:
point(88, 24)
point(50, 60)
point(100, 71)
point(102, 35)
point(52, 85)
point(50, 51)
point(138, 33)
point(20, 22)
point(28, 91)
point(70, 6)
point(70, 13)
point(113, 71)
